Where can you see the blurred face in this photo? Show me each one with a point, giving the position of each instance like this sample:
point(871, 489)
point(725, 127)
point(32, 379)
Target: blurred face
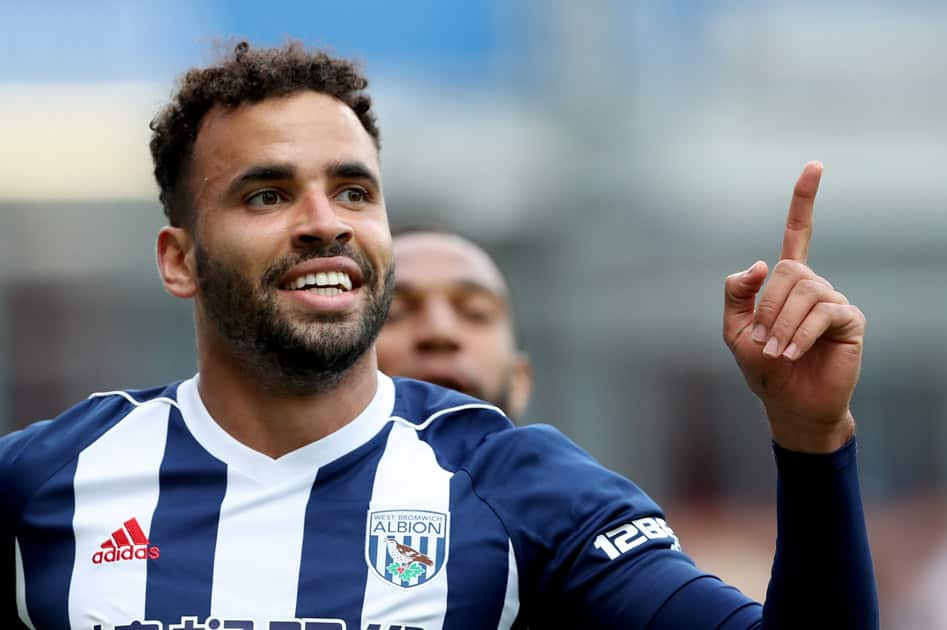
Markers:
point(450, 322)
point(292, 252)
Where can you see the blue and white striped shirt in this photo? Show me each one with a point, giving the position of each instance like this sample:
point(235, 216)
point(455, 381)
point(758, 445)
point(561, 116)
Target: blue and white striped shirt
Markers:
point(428, 511)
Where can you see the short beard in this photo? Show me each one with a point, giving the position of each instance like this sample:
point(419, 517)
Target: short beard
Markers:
point(290, 359)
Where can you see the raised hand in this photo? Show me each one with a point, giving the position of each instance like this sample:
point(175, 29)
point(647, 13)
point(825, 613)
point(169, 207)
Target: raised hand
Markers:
point(800, 345)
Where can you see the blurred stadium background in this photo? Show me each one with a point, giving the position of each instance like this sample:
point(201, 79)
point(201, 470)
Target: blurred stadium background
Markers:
point(618, 158)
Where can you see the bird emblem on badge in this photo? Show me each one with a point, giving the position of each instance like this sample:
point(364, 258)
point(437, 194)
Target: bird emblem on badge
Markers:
point(407, 561)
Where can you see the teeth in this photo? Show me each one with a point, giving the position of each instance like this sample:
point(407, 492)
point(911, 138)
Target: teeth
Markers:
point(329, 291)
point(324, 280)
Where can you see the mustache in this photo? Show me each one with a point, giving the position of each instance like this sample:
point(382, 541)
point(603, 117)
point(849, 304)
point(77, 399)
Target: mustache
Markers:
point(275, 272)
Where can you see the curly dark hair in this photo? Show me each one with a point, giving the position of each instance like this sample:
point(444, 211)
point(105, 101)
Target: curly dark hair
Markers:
point(247, 75)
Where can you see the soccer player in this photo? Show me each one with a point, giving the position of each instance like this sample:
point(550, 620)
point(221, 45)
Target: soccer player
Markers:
point(291, 485)
point(451, 321)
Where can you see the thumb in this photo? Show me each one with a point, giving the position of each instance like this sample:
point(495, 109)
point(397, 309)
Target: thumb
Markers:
point(739, 292)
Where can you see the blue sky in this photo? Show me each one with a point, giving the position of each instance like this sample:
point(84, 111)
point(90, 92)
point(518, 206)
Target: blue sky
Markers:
point(55, 40)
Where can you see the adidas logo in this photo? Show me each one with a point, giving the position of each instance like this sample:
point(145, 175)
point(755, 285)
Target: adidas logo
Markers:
point(127, 543)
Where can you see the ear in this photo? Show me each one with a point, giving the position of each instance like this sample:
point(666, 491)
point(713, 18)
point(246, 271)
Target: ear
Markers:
point(522, 386)
point(176, 262)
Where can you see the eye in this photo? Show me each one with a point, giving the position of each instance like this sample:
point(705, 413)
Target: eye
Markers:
point(405, 306)
point(479, 309)
point(399, 309)
point(265, 198)
point(353, 194)
point(477, 315)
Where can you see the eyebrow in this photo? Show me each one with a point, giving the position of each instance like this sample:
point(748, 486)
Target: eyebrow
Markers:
point(479, 287)
point(352, 170)
point(466, 285)
point(261, 173)
point(275, 172)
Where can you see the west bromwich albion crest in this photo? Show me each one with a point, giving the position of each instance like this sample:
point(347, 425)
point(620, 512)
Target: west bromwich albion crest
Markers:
point(407, 548)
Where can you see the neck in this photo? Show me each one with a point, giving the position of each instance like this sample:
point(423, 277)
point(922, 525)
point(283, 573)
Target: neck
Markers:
point(272, 422)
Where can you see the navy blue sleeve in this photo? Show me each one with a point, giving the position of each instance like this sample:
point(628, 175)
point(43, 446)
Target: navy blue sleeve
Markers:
point(822, 573)
point(594, 551)
point(12, 446)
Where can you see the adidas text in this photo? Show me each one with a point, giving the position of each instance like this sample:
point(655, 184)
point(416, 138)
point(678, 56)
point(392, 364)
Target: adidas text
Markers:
point(145, 552)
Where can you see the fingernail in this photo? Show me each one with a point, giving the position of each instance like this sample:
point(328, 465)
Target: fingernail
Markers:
point(791, 350)
point(770, 348)
point(759, 333)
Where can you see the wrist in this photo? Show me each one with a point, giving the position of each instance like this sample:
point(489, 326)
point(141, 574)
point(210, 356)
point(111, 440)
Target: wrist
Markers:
point(809, 436)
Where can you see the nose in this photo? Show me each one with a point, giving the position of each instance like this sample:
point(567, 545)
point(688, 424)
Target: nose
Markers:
point(439, 328)
point(317, 222)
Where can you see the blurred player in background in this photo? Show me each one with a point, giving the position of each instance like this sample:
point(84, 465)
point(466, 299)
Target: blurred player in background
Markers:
point(451, 321)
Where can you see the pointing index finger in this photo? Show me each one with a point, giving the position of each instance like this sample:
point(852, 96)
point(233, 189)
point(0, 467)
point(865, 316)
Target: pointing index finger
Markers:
point(799, 222)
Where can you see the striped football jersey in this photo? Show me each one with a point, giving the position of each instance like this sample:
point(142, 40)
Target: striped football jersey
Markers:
point(430, 510)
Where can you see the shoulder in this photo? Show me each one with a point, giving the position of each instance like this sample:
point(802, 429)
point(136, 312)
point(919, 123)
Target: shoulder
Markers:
point(473, 437)
point(32, 455)
point(454, 425)
point(422, 403)
point(542, 452)
point(534, 476)
point(561, 510)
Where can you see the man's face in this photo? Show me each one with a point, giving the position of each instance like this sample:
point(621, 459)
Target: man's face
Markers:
point(291, 244)
point(450, 322)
